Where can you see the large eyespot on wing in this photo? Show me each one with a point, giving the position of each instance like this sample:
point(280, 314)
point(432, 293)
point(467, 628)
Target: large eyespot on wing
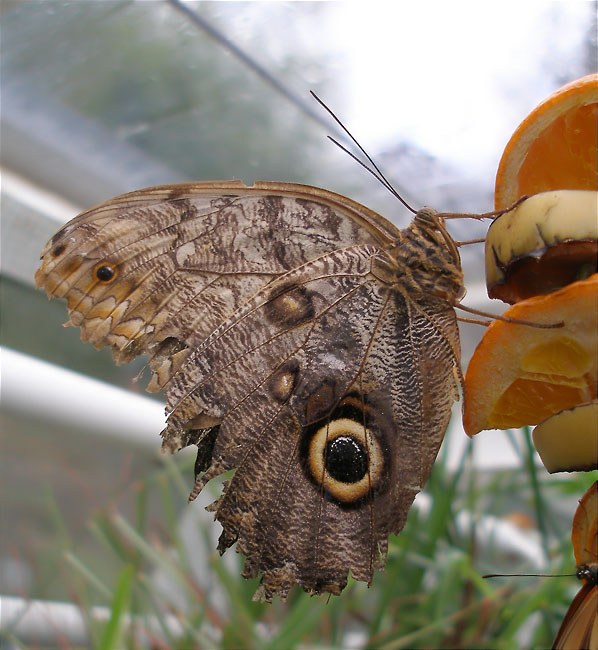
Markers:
point(345, 454)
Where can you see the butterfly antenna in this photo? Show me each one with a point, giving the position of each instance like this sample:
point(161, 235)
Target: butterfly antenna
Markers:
point(373, 172)
point(374, 169)
point(528, 575)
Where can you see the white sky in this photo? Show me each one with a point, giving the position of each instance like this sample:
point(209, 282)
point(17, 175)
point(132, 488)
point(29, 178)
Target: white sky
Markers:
point(454, 78)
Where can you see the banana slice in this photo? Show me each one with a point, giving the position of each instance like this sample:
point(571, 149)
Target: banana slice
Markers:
point(545, 243)
point(568, 441)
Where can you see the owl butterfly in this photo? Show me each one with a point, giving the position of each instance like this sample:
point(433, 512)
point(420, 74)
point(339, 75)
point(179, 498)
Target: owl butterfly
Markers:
point(301, 340)
point(579, 630)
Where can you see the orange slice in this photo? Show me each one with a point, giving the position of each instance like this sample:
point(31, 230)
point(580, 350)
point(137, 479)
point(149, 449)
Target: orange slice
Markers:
point(521, 374)
point(554, 148)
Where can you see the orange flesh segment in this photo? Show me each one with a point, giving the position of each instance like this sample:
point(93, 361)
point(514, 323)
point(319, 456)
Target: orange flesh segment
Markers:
point(521, 375)
point(555, 147)
point(562, 358)
point(566, 138)
point(532, 401)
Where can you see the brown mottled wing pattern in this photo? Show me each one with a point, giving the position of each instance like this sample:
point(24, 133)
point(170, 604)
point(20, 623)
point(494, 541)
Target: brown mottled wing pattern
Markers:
point(300, 339)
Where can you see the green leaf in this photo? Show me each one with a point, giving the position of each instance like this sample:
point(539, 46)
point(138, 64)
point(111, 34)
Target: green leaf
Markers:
point(113, 633)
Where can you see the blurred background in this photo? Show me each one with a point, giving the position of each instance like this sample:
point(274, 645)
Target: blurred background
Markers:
point(104, 97)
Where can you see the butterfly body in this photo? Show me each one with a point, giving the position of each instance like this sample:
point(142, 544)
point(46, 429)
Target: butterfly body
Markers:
point(301, 340)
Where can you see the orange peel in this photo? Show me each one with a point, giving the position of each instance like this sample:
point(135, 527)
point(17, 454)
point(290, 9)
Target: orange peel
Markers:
point(554, 148)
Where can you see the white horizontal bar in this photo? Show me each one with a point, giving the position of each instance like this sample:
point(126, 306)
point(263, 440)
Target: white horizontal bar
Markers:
point(52, 624)
point(60, 397)
point(35, 389)
point(37, 198)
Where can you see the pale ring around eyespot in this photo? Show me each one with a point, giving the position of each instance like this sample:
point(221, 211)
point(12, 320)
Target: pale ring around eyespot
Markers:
point(351, 491)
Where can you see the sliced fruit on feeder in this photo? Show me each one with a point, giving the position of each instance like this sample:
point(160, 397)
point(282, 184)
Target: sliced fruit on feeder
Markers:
point(554, 148)
point(545, 243)
point(520, 374)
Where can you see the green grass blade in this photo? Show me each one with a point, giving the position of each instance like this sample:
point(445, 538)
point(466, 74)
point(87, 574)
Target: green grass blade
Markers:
point(112, 635)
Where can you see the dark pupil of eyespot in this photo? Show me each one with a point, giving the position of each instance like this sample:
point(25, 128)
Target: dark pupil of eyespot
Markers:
point(346, 460)
point(105, 273)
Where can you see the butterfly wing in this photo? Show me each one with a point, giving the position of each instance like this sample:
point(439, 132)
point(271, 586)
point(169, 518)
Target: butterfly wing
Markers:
point(290, 348)
point(579, 629)
point(584, 532)
point(186, 256)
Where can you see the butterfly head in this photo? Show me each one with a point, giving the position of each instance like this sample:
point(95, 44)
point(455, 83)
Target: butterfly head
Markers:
point(588, 573)
point(433, 224)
